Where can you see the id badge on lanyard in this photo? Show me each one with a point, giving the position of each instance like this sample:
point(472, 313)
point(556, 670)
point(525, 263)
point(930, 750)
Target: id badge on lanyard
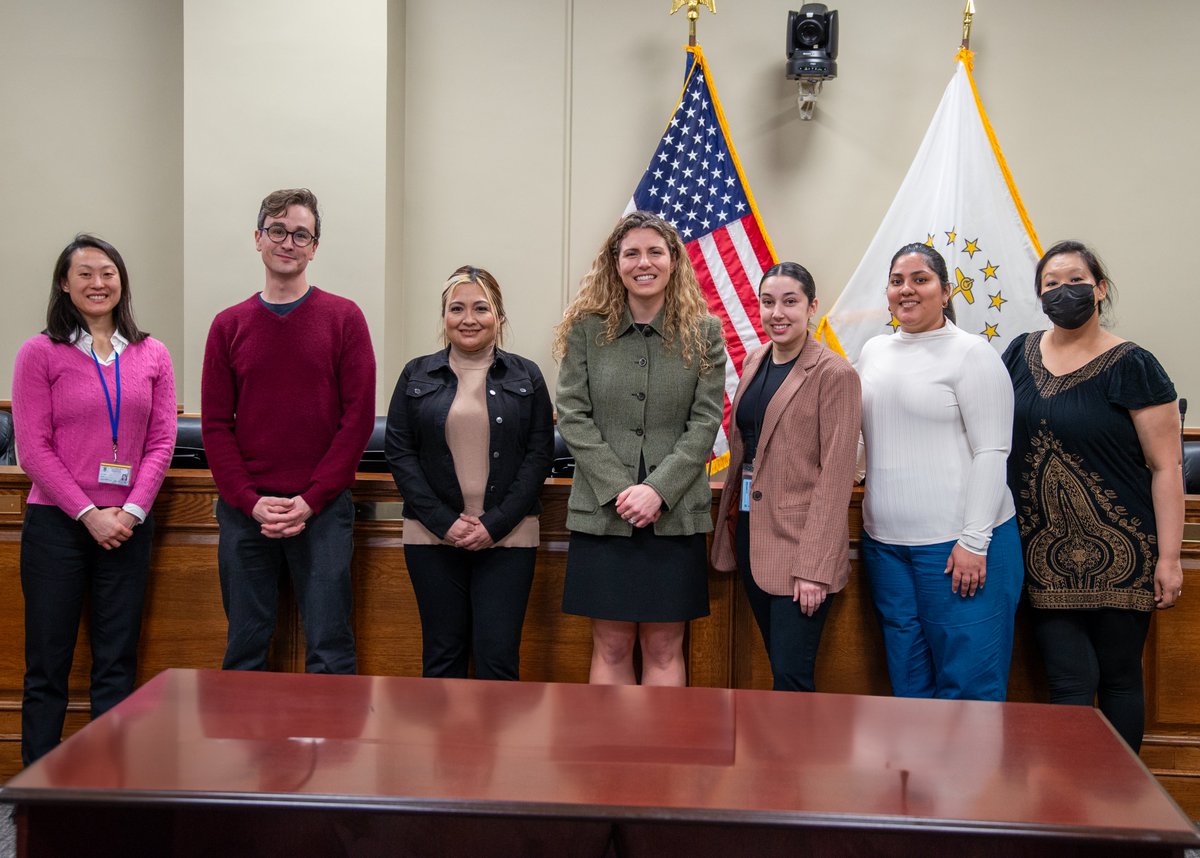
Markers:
point(747, 476)
point(113, 473)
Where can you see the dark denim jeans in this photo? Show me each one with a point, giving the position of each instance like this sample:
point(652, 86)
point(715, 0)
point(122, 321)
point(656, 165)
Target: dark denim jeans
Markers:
point(61, 565)
point(318, 559)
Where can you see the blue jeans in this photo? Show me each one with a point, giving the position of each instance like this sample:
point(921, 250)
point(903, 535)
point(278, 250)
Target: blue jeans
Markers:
point(318, 559)
point(940, 644)
point(472, 603)
point(61, 566)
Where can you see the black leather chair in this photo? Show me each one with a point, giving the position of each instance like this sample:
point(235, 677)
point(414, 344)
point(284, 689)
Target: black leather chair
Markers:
point(373, 459)
point(8, 450)
point(1191, 467)
point(564, 462)
point(189, 446)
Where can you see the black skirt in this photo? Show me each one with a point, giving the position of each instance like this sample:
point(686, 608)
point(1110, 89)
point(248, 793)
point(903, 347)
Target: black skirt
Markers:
point(643, 578)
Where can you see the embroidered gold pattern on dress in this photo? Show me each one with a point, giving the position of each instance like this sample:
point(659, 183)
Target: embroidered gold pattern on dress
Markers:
point(1049, 385)
point(1086, 546)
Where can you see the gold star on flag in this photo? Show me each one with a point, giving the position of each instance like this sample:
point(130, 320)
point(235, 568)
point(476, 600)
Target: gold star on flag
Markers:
point(951, 236)
point(989, 271)
point(893, 323)
point(929, 240)
point(990, 332)
point(971, 247)
point(997, 300)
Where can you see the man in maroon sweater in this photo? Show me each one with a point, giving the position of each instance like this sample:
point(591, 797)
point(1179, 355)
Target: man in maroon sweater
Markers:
point(287, 407)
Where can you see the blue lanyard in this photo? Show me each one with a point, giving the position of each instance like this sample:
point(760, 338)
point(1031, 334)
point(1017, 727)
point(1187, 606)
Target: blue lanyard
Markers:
point(114, 417)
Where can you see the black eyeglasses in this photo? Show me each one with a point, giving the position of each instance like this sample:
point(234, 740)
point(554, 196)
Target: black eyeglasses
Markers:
point(277, 233)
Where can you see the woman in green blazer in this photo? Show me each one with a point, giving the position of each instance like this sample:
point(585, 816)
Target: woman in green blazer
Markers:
point(640, 400)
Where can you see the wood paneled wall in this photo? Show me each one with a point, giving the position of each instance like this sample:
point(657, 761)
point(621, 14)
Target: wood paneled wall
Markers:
point(184, 625)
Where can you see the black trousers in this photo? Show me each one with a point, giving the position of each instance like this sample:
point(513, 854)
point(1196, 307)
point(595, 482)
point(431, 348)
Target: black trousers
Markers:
point(1097, 655)
point(790, 636)
point(61, 565)
point(471, 603)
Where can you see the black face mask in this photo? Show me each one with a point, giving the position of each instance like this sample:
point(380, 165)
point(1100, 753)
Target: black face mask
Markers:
point(1070, 305)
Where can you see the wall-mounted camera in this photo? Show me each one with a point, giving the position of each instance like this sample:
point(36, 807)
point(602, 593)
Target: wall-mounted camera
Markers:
point(812, 48)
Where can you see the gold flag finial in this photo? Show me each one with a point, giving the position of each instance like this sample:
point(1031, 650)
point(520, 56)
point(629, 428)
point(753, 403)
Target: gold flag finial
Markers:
point(968, 14)
point(693, 12)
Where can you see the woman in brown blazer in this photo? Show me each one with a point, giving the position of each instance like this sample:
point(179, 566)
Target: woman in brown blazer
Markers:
point(782, 520)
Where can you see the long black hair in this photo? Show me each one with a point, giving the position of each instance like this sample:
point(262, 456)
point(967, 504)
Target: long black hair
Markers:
point(63, 319)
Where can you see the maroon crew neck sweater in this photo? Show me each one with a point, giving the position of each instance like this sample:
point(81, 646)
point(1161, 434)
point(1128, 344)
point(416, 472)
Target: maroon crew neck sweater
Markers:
point(287, 402)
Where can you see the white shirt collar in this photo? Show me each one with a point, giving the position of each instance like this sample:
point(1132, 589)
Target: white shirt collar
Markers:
point(83, 341)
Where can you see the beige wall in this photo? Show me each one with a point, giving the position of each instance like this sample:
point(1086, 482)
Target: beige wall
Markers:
point(91, 140)
point(281, 94)
point(510, 135)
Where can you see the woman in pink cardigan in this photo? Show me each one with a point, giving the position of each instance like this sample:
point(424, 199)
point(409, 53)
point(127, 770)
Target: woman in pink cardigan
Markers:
point(94, 414)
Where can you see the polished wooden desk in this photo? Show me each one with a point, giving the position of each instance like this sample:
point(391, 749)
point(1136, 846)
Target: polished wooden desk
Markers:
point(206, 762)
point(185, 626)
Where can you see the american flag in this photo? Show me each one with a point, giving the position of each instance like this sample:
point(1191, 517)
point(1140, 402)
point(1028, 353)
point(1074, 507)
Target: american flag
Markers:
point(695, 182)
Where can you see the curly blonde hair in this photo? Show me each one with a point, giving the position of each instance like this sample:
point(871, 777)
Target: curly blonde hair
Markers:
point(602, 293)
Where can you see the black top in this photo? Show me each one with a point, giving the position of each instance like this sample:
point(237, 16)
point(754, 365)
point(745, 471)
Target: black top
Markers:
point(1079, 476)
point(754, 402)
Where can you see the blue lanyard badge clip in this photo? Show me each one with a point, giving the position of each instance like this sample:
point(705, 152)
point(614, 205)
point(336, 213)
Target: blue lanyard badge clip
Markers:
point(112, 473)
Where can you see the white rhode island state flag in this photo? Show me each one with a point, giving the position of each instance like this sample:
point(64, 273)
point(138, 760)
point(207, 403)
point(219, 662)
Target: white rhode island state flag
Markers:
point(959, 198)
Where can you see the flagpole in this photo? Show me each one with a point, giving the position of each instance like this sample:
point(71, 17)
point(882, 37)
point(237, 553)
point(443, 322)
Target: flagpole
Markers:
point(693, 12)
point(968, 14)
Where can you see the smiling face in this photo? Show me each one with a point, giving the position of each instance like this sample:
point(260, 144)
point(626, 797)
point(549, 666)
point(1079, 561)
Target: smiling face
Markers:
point(785, 312)
point(645, 265)
point(915, 294)
point(94, 285)
point(285, 259)
point(470, 321)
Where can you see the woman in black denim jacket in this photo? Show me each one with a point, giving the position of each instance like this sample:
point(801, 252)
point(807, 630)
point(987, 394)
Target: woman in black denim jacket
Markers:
point(470, 439)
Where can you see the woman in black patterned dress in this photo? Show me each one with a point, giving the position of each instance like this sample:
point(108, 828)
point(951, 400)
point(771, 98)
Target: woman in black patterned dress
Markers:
point(1095, 473)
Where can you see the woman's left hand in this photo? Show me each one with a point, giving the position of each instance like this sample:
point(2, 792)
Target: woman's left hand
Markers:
point(809, 595)
point(969, 571)
point(478, 538)
point(640, 505)
point(1168, 582)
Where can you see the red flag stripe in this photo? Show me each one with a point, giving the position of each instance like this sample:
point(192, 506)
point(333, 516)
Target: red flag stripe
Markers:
point(758, 242)
point(733, 343)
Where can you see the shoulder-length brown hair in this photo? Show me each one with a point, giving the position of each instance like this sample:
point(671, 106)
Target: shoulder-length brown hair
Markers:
point(62, 319)
point(601, 293)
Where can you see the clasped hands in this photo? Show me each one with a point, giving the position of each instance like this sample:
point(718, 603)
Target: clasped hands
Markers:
point(282, 517)
point(468, 532)
point(109, 526)
point(640, 505)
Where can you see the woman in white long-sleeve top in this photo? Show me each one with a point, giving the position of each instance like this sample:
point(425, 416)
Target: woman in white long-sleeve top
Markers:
point(938, 518)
